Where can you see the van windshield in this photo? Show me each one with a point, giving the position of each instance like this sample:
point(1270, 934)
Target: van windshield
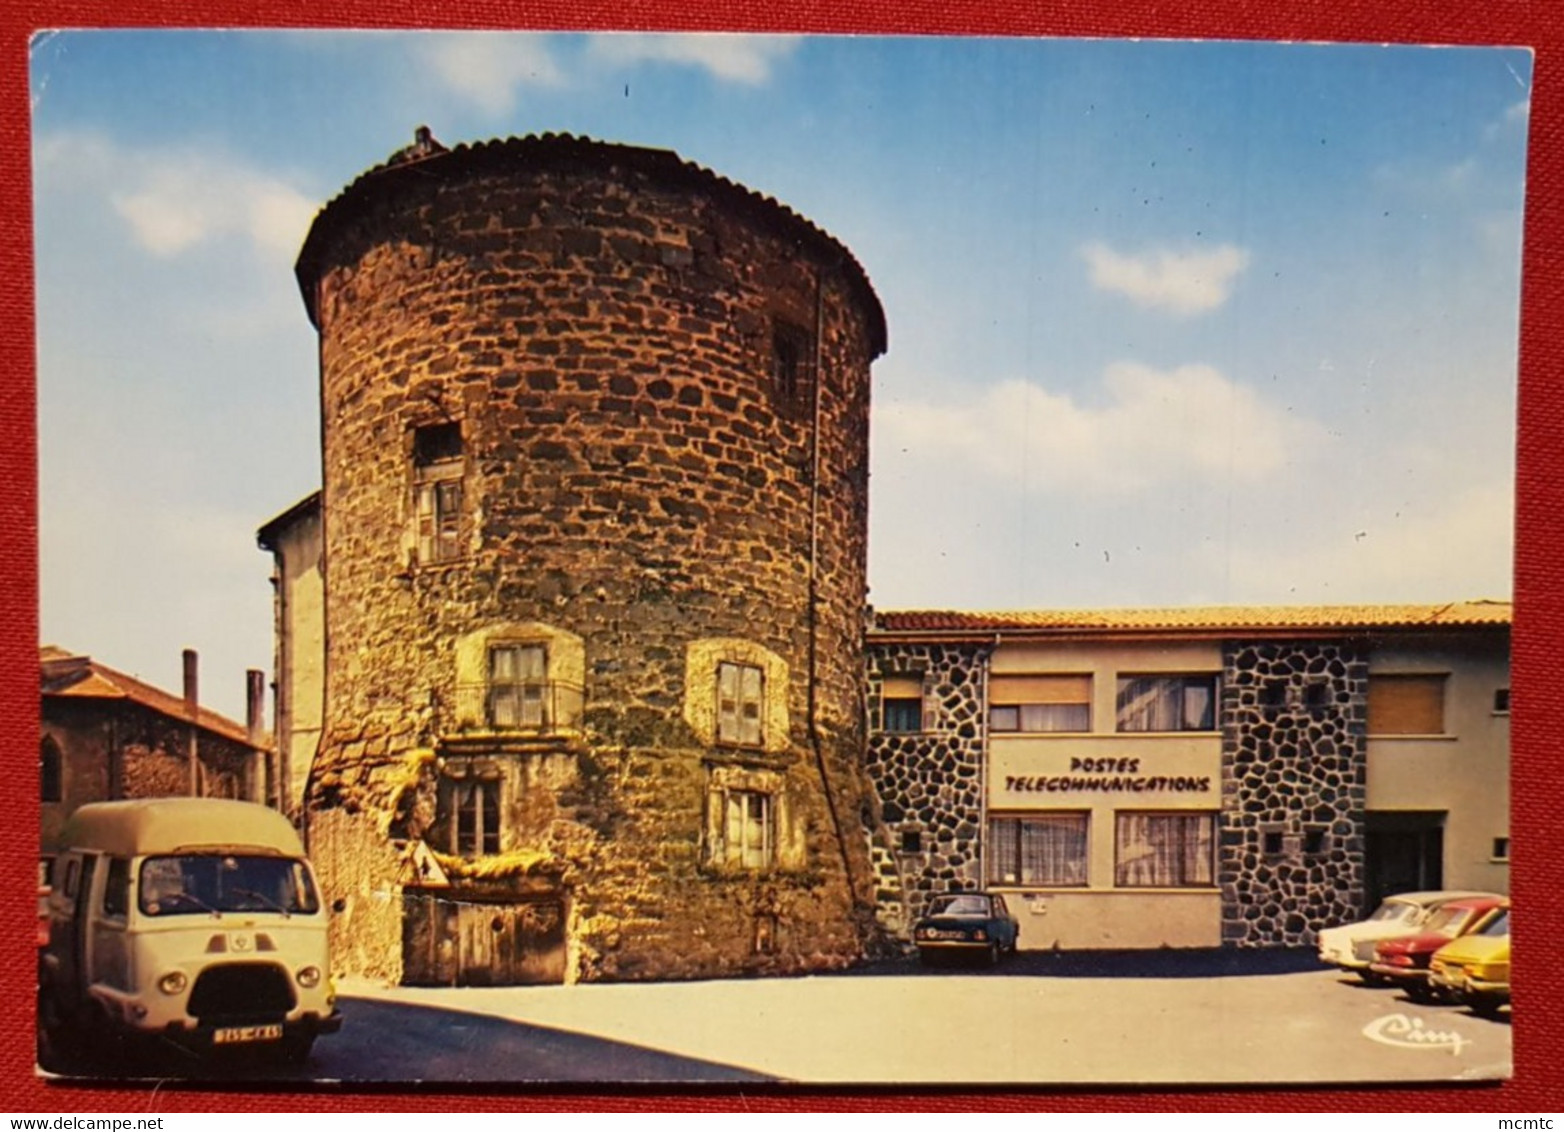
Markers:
point(207, 883)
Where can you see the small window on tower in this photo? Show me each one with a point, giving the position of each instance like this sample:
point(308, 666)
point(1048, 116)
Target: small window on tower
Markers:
point(437, 491)
point(740, 700)
point(792, 364)
point(470, 813)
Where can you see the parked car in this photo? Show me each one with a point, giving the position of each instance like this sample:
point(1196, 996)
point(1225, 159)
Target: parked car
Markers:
point(191, 921)
point(1351, 946)
point(966, 923)
point(1475, 969)
point(1403, 960)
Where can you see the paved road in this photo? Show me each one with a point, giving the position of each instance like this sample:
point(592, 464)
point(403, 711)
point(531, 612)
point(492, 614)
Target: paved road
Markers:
point(1037, 1018)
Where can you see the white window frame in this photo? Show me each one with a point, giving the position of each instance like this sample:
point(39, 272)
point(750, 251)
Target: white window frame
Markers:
point(1195, 870)
point(1168, 680)
point(746, 830)
point(518, 701)
point(741, 704)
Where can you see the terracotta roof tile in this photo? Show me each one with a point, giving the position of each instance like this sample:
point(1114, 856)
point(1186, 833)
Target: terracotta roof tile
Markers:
point(1260, 618)
point(71, 675)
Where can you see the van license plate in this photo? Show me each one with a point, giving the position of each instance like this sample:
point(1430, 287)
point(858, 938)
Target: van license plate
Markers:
point(232, 1035)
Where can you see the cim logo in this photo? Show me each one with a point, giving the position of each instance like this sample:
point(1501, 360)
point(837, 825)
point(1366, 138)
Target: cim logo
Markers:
point(1410, 1033)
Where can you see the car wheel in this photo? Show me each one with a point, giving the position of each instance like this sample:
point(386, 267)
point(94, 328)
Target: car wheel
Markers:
point(1485, 1005)
point(1420, 992)
point(1370, 979)
point(991, 956)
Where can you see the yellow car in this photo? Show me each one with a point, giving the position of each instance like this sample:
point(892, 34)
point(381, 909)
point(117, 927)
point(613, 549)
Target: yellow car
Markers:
point(1475, 969)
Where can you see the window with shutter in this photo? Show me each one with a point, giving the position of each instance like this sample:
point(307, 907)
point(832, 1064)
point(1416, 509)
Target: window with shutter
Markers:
point(901, 703)
point(437, 492)
point(1406, 705)
point(740, 702)
point(1041, 703)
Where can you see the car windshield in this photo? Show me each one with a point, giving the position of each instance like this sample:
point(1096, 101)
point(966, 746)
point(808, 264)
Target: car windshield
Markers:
point(1499, 925)
point(202, 884)
point(1446, 921)
point(1394, 910)
point(959, 906)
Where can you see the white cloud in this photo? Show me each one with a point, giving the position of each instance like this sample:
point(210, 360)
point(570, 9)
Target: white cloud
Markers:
point(1186, 282)
point(488, 68)
point(744, 59)
point(1519, 111)
point(1188, 423)
point(173, 200)
point(1451, 548)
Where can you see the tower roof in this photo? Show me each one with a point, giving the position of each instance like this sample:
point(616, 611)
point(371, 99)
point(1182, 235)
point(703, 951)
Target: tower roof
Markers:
point(427, 158)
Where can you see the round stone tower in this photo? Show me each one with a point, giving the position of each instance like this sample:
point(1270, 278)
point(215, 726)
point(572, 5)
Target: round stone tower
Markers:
point(595, 458)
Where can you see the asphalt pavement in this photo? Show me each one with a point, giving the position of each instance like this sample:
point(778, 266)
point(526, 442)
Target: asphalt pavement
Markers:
point(1037, 1018)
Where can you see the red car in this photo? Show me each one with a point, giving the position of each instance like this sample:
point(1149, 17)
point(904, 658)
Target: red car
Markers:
point(1403, 960)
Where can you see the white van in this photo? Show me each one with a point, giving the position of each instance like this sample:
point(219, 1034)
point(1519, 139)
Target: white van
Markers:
point(193, 920)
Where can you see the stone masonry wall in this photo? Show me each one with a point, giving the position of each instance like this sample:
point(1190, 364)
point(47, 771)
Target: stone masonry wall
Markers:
point(930, 783)
point(632, 473)
point(1294, 725)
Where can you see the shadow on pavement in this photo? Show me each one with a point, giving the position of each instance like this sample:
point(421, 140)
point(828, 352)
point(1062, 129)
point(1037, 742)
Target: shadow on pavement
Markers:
point(403, 1044)
point(1182, 963)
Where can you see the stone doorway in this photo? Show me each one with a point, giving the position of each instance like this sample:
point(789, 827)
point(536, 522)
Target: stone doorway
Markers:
point(473, 940)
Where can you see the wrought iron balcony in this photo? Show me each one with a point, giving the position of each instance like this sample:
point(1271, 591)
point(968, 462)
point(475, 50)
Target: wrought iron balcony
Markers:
point(523, 707)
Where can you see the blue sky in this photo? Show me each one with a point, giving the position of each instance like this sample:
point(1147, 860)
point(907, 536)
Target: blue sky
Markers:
point(1170, 323)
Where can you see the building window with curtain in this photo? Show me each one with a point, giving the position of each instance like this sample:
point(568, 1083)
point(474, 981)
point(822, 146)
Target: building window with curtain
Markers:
point(518, 679)
point(1406, 705)
point(740, 703)
point(1164, 850)
point(1051, 703)
point(746, 830)
point(1047, 850)
point(470, 809)
point(901, 704)
point(1166, 703)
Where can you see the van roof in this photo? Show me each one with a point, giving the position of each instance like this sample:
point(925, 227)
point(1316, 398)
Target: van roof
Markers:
point(171, 825)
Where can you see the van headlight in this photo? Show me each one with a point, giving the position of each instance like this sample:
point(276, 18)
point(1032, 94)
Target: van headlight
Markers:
point(173, 982)
point(308, 977)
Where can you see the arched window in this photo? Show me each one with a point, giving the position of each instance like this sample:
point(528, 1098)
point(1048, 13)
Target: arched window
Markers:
point(50, 775)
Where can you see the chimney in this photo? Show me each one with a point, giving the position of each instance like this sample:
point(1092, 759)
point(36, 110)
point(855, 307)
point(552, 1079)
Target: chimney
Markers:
point(254, 726)
point(255, 706)
point(192, 690)
point(192, 706)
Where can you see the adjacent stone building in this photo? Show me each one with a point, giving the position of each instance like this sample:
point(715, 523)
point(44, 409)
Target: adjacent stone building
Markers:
point(592, 540)
point(108, 735)
point(1190, 777)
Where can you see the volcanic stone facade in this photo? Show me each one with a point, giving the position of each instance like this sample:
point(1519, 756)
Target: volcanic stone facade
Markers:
point(1294, 750)
point(930, 782)
point(595, 430)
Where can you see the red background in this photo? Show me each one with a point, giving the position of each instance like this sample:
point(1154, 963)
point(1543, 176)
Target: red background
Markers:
point(1538, 885)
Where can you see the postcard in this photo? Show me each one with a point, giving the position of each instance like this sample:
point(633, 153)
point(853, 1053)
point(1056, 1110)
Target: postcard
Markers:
point(712, 558)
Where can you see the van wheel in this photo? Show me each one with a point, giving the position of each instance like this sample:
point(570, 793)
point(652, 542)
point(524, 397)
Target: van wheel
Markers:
point(59, 1044)
point(296, 1048)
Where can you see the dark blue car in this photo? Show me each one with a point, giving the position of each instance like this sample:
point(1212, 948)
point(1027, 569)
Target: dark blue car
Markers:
point(966, 923)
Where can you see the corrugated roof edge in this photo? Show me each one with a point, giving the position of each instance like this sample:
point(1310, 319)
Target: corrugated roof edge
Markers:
point(383, 179)
point(1468, 614)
